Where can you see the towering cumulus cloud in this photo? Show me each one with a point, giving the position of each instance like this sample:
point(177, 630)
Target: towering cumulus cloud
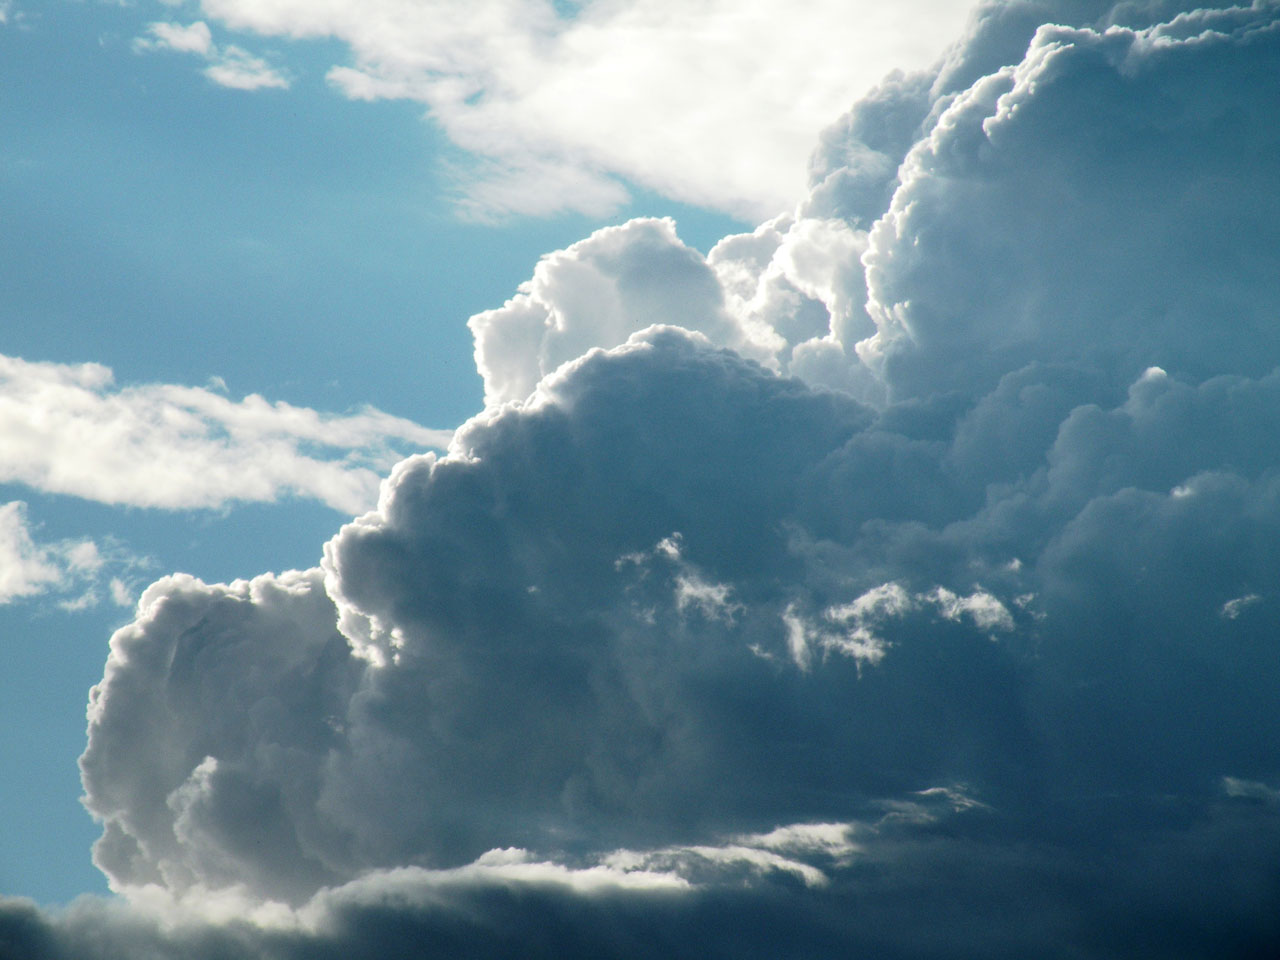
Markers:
point(898, 580)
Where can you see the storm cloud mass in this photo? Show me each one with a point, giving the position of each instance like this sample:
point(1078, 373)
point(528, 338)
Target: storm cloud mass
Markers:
point(899, 579)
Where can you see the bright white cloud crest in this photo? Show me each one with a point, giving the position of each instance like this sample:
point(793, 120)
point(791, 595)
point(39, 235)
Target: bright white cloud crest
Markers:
point(878, 571)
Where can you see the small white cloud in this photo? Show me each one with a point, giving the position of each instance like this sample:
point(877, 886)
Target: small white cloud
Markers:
point(886, 600)
point(986, 612)
point(691, 588)
point(229, 66)
point(238, 69)
point(194, 38)
point(851, 637)
point(833, 840)
point(121, 595)
point(853, 629)
point(787, 849)
point(1250, 790)
point(585, 296)
point(71, 568)
point(25, 568)
point(1233, 608)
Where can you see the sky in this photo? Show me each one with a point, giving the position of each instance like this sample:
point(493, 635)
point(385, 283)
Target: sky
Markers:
point(629, 478)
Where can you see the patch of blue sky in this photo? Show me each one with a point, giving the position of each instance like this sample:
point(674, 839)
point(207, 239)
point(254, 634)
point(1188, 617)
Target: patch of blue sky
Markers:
point(51, 659)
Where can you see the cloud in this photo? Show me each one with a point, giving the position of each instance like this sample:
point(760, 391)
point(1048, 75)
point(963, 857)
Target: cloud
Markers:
point(916, 880)
point(884, 582)
point(565, 729)
point(1009, 184)
point(66, 428)
point(561, 101)
point(229, 66)
point(28, 568)
point(598, 292)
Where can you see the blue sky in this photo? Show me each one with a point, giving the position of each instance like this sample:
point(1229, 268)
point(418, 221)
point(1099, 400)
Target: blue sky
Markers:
point(860, 519)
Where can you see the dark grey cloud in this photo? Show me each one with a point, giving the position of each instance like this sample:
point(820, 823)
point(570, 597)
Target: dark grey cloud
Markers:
point(919, 602)
point(956, 886)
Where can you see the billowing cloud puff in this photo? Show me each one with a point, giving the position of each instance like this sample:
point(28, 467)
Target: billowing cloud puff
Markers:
point(597, 293)
point(66, 428)
point(913, 587)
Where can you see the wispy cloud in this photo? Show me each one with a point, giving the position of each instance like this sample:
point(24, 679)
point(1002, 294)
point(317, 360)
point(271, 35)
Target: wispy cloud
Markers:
point(68, 429)
point(229, 66)
point(77, 572)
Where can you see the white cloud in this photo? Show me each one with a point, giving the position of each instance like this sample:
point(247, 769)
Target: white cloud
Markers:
point(1250, 789)
point(229, 66)
point(855, 629)
point(1233, 608)
point(70, 569)
point(67, 429)
point(194, 38)
point(24, 567)
point(597, 293)
point(715, 103)
point(240, 70)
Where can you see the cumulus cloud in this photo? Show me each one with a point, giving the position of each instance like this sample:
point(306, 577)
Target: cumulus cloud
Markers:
point(67, 428)
point(1010, 184)
point(229, 66)
point(714, 103)
point(598, 292)
point(887, 582)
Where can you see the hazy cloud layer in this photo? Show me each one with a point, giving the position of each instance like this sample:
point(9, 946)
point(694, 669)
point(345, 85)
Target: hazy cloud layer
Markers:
point(67, 428)
point(911, 592)
point(714, 103)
